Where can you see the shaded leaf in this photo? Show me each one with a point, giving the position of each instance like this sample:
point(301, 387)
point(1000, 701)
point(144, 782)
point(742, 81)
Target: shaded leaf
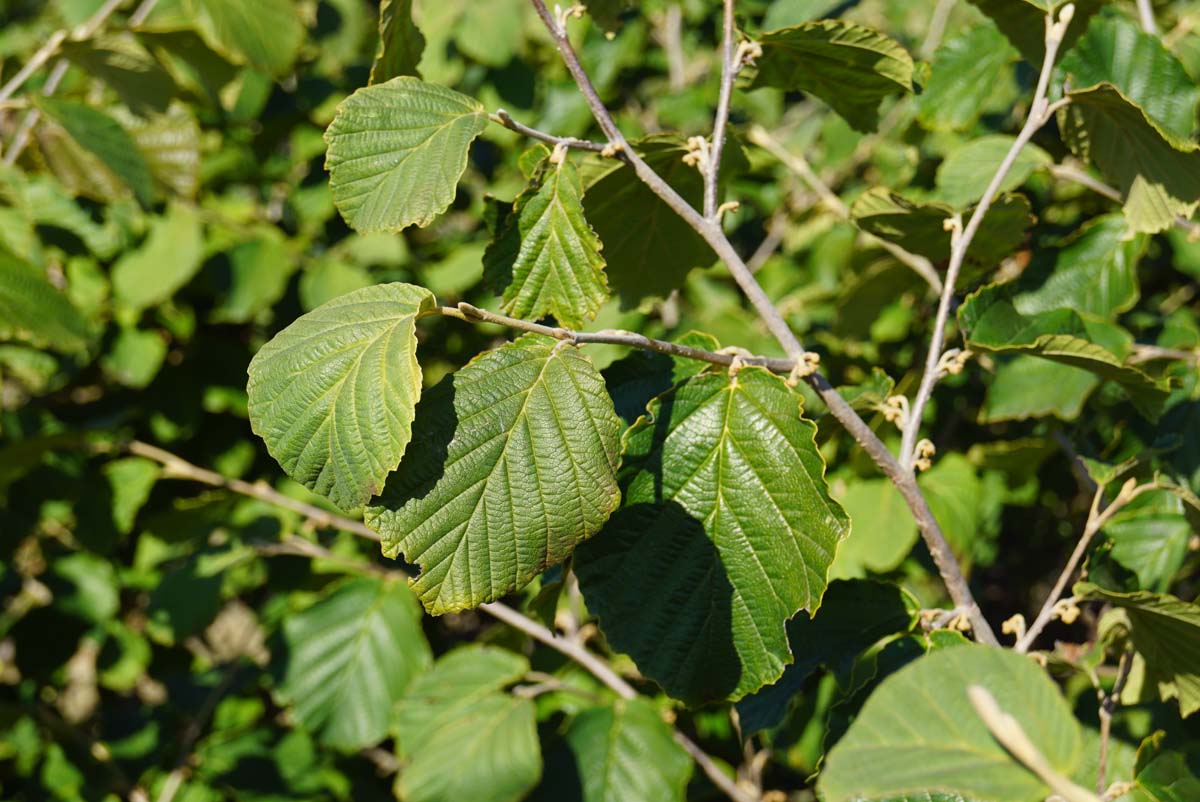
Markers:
point(122, 63)
point(726, 532)
point(965, 69)
point(34, 310)
point(1024, 23)
point(400, 42)
point(333, 394)
point(168, 258)
point(513, 465)
point(397, 150)
point(850, 67)
point(104, 138)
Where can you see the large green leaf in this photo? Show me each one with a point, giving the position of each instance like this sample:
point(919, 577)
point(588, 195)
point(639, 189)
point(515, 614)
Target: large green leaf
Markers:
point(994, 325)
point(918, 732)
point(32, 309)
point(397, 150)
point(921, 227)
point(850, 67)
point(1166, 632)
point(1150, 537)
point(621, 753)
point(333, 394)
point(854, 615)
point(726, 532)
point(1024, 22)
point(1116, 50)
point(649, 248)
point(1030, 387)
point(964, 175)
point(1168, 778)
point(545, 258)
point(457, 715)
point(266, 34)
point(167, 260)
point(513, 465)
point(1157, 172)
point(103, 137)
point(400, 42)
point(882, 530)
point(349, 659)
point(964, 71)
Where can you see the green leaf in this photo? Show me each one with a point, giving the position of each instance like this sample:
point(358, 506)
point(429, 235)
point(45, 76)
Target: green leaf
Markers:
point(1093, 272)
point(170, 143)
point(882, 530)
point(121, 62)
point(994, 325)
point(456, 715)
point(634, 380)
point(333, 394)
point(964, 175)
point(1024, 23)
point(503, 448)
point(623, 753)
point(259, 272)
point(168, 258)
point(104, 138)
point(921, 227)
point(726, 532)
point(545, 258)
point(1168, 778)
point(350, 658)
point(649, 248)
point(850, 67)
point(919, 731)
point(854, 616)
point(491, 32)
point(266, 34)
point(400, 42)
point(965, 70)
point(1116, 50)
point(34, 310)
point(1031, 387)
point(397, 150)
point(1166, 632)
point(130, 479)
point(1156, 172)
point(135, 357)
point(1150, 537)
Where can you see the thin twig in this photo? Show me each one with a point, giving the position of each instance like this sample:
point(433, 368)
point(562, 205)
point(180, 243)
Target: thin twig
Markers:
point(504, 118)
point(631, 339)
point(1146, 15)
point(937, 28)
point(179, 468)
point(800, 166)
point(671, 37)
point(935, 540)
point(25, 127)
point(729, 73)
point(1040, 113)
point(1107, 707)
point(141, 13)
point(1097, 518)
point(1152, 353)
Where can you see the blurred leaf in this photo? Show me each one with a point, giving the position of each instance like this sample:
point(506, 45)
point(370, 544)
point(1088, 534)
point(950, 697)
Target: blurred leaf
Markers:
point(1024, 23)
point(259, 271)
point(965, 70)
point(501, 447)
point(122, 63)
point(964, 175)
point(545, 258)
point(397, 150)
point(350, 658)
point(882, 529)
point(168, 258)
point(850, 67)
point(170, 144)
point(339, 384)
point(919, 731)
point(103, 137)
point(34, 310)
point(726, 531)
point(135, 357)
point(456, 714)
point(400, 42)
point(266, 34)
point(1150, 537)
point(1030, 387)
point(1157, 172)
point(1166, 632)
point(1168, 778)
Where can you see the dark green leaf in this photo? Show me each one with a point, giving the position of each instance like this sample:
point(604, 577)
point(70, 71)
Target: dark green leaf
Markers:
point(104, 138)
point(400, 42)
point(32, 309)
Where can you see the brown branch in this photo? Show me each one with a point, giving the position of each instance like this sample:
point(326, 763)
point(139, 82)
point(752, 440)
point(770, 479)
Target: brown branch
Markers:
point(935, 540)
point(730, 64)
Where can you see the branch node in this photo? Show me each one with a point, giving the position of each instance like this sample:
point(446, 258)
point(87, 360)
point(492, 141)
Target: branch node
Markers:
point(808, 364)
point(895, 410)
point(747, 53)
point(612, 149)
point(699, 153)
point(559, 154)
point(1066, 610)
point(561, 15)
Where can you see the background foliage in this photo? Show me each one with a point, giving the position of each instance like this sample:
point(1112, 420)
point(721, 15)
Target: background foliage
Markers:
point(183, 621)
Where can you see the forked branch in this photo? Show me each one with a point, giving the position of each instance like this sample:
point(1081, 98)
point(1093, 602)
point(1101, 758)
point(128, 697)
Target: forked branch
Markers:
point(713, 234)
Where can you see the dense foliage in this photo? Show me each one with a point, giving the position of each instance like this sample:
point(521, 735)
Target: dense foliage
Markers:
point(678, 400)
